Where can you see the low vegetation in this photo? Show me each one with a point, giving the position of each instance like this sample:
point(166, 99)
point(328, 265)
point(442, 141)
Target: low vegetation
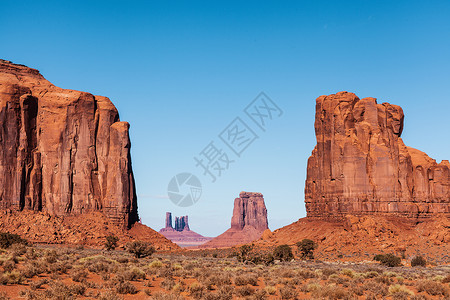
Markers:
point(37, 272)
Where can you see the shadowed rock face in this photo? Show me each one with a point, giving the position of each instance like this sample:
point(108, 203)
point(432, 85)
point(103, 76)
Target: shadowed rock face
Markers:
point(360, 164)
point(62, 151)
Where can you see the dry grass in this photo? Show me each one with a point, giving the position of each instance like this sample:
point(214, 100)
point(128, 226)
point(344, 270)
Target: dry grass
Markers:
point(52, 273)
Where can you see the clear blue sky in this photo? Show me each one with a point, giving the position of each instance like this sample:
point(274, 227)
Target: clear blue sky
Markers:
point(180, 72)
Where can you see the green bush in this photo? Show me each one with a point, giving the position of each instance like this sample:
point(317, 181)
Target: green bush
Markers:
point(7, 239)
point(111, 242)
point(283, 253)
point(418, 261)
point(306, 248)
point(389, 260)
point(140, 249)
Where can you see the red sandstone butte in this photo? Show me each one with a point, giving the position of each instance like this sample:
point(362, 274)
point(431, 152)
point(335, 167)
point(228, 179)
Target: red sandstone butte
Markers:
point(62, 152)
point(248, 223)
point(360, 165)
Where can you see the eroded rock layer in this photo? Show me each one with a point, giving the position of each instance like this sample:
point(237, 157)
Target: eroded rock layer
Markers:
point(361, 166)
point(62, 151)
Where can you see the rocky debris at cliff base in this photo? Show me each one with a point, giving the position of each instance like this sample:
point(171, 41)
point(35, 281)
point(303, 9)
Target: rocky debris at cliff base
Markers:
point(248, 223)
point(88, 229)
point(358, 238)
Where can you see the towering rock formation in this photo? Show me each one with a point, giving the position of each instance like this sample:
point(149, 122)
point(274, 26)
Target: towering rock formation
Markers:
point(62, 151)
point(248, 222)
point(181, 223)
point(361, 166)
point(168, 220)
point(249, 210)
point(182, 234)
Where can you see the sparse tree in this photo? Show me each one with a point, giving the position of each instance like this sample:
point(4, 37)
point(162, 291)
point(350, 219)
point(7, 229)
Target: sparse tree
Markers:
point(111, 242)
point(418, 261)
point(306, 248)
point(283, 253)
point(140, 249)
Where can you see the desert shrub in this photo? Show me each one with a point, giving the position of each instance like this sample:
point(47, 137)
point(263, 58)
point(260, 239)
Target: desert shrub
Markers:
point(109, 295)
point(288, 292)
point(446, 279)
point(283, 253)
point(270, 289)
point(7, 239)
point(432, 288)
point(260, 295)
point(224, 293)
point(166, 296)
point(122, 260)
point(79, 275)
point(331, 291)
point(246, 279)
point(167, 284)
point(132, 275)
point(389, 260)
point(50, 256)
point(58, 290)
point(38, 284)
point(4, 296)
point(31, 253)
point(18, 249)
point(140, 249)
point(418, 261)
point(306, 248)
point(111, 242)
point(398, 291)
point(245, 253)
point(77, 289)
point(156, 264)
point(306, 274)
point(220, 279)
point(100, 267)
point(375, 288)
point(125, 287)
point(357, 290)
point(245, 291)
point(13, 277)
point(196, 290)
point(348, 272)
point(9, 265)
point(58, 268)
point(328, 271)
point(32, 269)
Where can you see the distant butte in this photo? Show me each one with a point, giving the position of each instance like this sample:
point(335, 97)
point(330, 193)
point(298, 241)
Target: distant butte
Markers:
point(182, 235)
point(248, 223)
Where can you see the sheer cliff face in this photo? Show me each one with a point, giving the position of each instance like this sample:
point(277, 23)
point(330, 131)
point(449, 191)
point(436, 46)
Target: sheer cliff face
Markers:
point(360, 164)
point(62, 151)
point(249, 210)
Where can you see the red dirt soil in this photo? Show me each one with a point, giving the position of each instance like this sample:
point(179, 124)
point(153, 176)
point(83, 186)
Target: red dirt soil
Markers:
point(360, 238)
point(88, 229)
